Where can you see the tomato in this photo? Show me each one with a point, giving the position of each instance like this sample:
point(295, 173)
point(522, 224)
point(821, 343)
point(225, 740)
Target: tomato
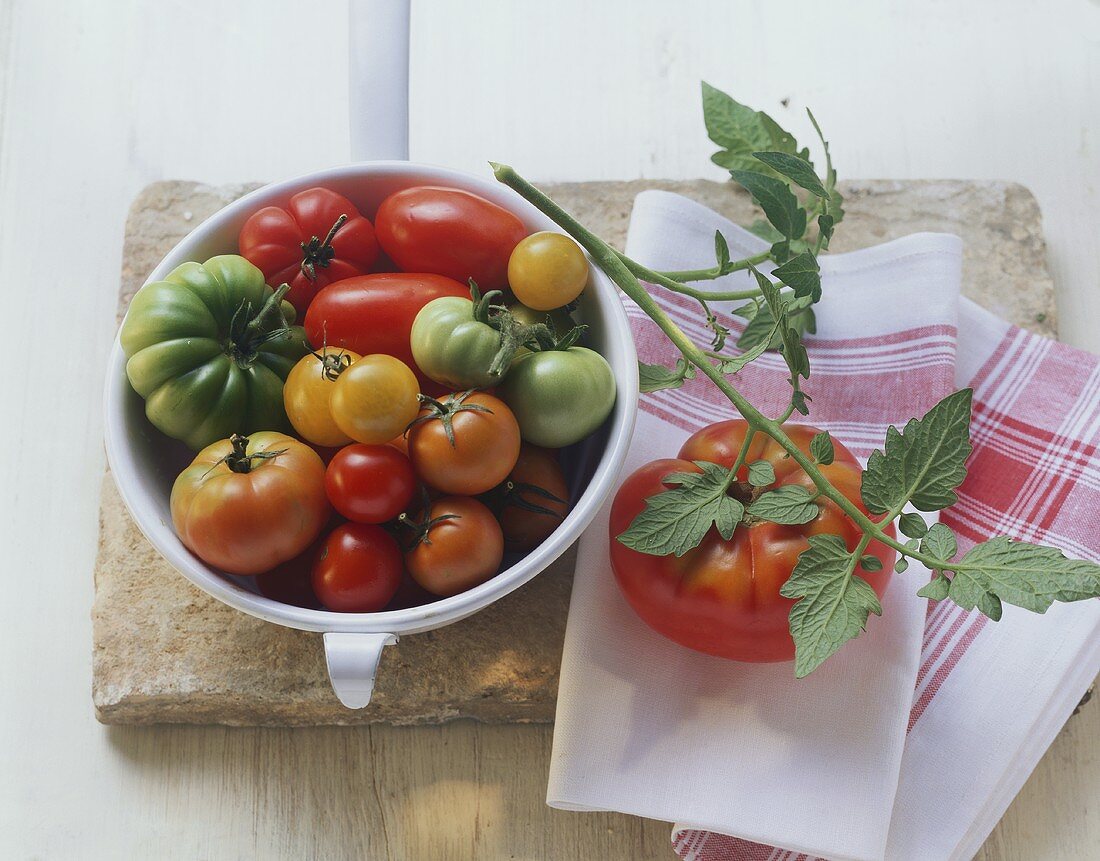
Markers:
point(246, 504)
point(722, 597)
point(319, 237)
point(460, 546)
point(467, 443)
point(449, 231)
point(370, 483)
point(559, 396)
point(308, 394)
point(533, 499)
point(375, 399)
point(454, 344)
point(375, 313)
point(547, 270)
point(358, 569)
point(290, 582)
point(208, 349)
point(558, 320)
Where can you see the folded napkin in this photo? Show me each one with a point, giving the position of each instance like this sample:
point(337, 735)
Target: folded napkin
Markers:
point(911, 742)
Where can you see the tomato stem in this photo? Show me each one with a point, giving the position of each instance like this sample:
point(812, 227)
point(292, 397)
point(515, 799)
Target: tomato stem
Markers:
point(319, 252)
point(239, 460)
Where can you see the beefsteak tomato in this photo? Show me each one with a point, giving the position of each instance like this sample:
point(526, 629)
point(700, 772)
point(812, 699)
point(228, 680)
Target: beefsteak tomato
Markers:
point(247, 504)
point(318, 238)
point(722, 597)
point(208, 348)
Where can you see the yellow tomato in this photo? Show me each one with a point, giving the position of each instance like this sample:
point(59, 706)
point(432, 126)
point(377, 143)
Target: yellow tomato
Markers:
point(375, 399)
point(547, 270)
point(308, 391)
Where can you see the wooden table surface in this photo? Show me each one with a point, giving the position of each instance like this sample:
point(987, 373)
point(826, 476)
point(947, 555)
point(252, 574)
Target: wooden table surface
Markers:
point(98, 99)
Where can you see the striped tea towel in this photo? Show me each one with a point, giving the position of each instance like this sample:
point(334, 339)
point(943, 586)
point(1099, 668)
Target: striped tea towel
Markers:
point(912, 741)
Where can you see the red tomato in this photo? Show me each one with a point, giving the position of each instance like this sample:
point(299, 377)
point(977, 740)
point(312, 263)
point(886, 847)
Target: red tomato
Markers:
point(358, 569)
point(247, 504)
point(462, 547)
point(722, 597)
point(484, 449)
point(533, 500)
point(370, 483)
point(318, 238)
point(450, 232)
point(376, 312)
point(290, 582)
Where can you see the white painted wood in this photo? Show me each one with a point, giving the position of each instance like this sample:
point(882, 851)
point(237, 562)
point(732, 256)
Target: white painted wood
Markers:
point(99, 98)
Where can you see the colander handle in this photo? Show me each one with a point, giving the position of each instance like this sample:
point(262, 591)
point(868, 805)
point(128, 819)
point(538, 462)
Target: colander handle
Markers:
point(352, 664)
point(378, 59)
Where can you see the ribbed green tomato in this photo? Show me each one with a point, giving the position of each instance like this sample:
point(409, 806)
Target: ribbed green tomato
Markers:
point(559, 396)
point(453, 343)
point(208, 349)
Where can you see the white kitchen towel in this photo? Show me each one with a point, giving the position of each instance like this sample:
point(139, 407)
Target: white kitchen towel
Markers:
point(848, 763)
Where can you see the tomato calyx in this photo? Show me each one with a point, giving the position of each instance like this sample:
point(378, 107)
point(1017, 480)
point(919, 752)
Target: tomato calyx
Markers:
point(421, 529)
point(319, 252)
point(445, 411)
point(515, 493)
point(248, 333)
point(513, 333)
point(546, 340)
point(332, 364)
point(239, 460)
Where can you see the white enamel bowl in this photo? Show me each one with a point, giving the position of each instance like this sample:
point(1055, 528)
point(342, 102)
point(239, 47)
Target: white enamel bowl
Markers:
point(145, 462)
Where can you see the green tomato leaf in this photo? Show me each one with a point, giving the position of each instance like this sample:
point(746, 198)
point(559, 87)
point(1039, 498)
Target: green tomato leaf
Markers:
point(912, 525)
point(761, 473)
point(795, 168)
point(762, 329)
point(776, 199)
point(821, 448)
point(721, 251)
point(1027, 575)
point(740, 131)
point(870, 563)
point(675, 521)
point(901, 565)
point(937, 588)
point(924, 463)
point(789, 505)
point(757, 345)
point(802, 274)
point(653, 378)
point(939, 542)
point(825, 224)
point(834, 603)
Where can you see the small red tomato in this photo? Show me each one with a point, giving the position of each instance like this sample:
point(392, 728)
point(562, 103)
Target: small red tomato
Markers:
point(319, 237)
point(370, 483)
point(358, 569)
point(450, 232)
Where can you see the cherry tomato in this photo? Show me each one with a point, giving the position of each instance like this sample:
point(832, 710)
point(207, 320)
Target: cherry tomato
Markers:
point(246, 504)
point(375, 399)
point(449, 231)
point(307, 395)
point(547, 270)
point(375, 313)
point(318, 238)
point(533, 500)
point(477, 455)
point(358, 569)
point(370, 483)
point(722, 597)
point(461, 547)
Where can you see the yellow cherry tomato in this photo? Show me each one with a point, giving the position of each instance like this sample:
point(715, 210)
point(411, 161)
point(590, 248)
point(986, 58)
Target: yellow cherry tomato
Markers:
point(547, 270)
point(375, 399)
point(308, 391)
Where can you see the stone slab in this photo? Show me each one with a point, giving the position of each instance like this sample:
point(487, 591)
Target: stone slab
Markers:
point(165, 652)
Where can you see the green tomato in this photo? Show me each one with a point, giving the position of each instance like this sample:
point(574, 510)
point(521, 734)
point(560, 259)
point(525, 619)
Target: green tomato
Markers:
point(208, 349)
point(559, 396)
point(454, 345)
point(558, 320)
